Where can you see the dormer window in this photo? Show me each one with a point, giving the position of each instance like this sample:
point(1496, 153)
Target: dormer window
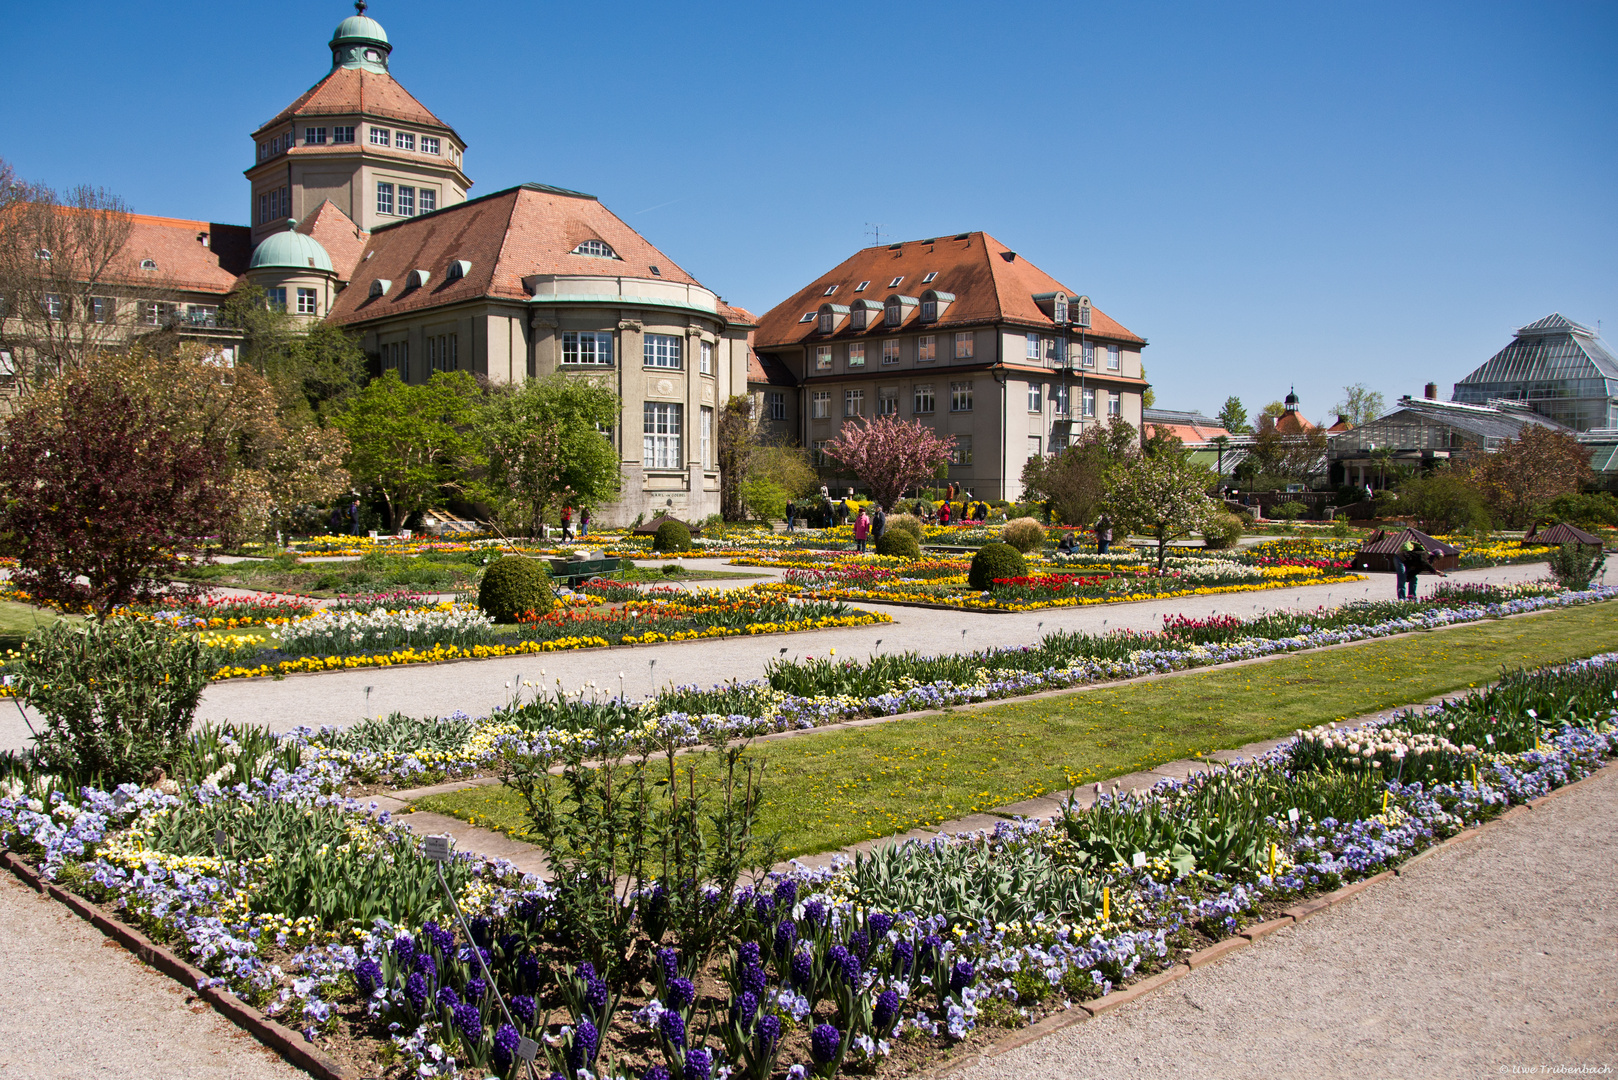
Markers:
point(895, 308)
point(148, 264)
point(865, 314)
point(380, 287)
point(928, 280)
point(1060, 312)
point(831, 317)
point(929, 310)
point(656, 272)
point(934, 304)
point(597, 249)
point(417, 278)
point(827, 322)
point(1084, 312)
point(457, 270)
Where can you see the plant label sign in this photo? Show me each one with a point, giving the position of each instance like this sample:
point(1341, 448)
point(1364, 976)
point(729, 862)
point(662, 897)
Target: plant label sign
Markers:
point(219, 839)
point(527, 1049)
point(1140, 858)
point(1292, 815)
point(1489, 739)
point(435, 848)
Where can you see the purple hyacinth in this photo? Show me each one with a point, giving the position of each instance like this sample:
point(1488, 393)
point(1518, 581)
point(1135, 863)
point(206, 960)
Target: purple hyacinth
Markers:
point(404, 949)
point(904, 955)
point(427, 965)
point(786, 936)
point(505, 1047)
point(595, 995)
point(698, 1065)
point(416, 990)
point(744, 1008)
point(960, 976)
point(823, 1044)
point(475, 987)
point(786, 893)
point(672, 1025)
point(803, 968)
point(669, 960)
point(769, 1031)
point(447, 997)
point(859, 943)
point(753, 978)
point(681, 993)
point(880, 924)
point(480, 926)
point(814, 913)
point(528, 970)
point(368, 976)
point(582, 1051)
point(749, 953)
point(763, 905)
point(932, 946)
point(656, 1072)
point(524, 1009)
point(886, 1010)
point(852, 969)
point(469, 1019)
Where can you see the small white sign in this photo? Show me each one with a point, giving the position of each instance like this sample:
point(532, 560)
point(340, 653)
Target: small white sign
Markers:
point(527, 1049)
point(436, 848)
point(1292, 815)
point(1489, 739)
point(1140, 858)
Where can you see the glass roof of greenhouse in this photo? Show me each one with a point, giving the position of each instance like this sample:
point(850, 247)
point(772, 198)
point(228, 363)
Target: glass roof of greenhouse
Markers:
point(1554, 348)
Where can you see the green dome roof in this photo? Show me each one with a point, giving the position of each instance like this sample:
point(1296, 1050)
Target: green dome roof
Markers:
point(360, 28)
point(290, 250)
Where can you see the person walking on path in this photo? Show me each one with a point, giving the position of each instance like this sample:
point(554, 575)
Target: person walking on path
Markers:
point(1410, 560)
point(879, 523)
point(584, 521)
point(1103, 534)
point(862, 529)
point(567, 524)
point(943, 513)
point(790, 510)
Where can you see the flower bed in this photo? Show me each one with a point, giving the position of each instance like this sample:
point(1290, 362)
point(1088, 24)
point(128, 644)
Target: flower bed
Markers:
point(1474, 553)
point(328, 915)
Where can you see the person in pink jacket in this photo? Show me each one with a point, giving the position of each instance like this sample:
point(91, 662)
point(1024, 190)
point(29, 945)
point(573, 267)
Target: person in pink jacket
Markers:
point(862, 529)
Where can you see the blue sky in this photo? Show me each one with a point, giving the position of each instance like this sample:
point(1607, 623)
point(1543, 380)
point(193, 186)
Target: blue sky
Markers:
point(1271, 194)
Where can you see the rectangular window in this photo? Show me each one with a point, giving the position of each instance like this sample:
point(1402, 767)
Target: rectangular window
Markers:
point(822, 404)
point(381, 137)
point(960, 397)
point(384, 197)
point(263, 207)
point(822, 357)
point(888, 403)
point(428, 199)
point(1036, 402)
point(396, 357)
point(707, 358)
point(404, 140)
point(314, 136)
point(207, 315)
point(853, 402)
point(407, 201)
point(661, 446)
point(1115, 403)
point(856, 354)
point(923, 402)
point(890, 352)
point(962, 453)
point(1033, 347)
point(965, 342)
point(778, 405)
point(707, 437)
point(662, 351)
point(342, 134)
point(1089, 355)
point(275, 299)
point(102, 309)
point(1033, 446)
point(1059, 399)
point(1089, 403)
point(588, 347)
point(1050, 349)
point(306, 302)
point(429, 144)
point(929, 311)
point(1112, 358)
point(8, 368)
point(821, 459)
point(53, 306)
point(926, 348)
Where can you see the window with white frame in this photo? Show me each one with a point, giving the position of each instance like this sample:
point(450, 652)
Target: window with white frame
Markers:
point(598, 249)
point(381, 137)
point(890, 351)
point(861, 286)
point(1060, 309)
point(960, 397)
point(8, 368)
point(853, 402)
point(314, 136)
point(894, 284)
point(1089, 355)
point(961, 453)
point(829, 290)
point(404, 140)
point(1112, 358)
point(965, 342)
point(429, 144)
point(926, 348)
point(307, 302)
point(894, 313)
point(822, 405)
point(53, 306)
point(707, 358)
point(158, 313)
point(428, 199)
point(102, 309)
point(1036, 400)
point(1059, 399)
point(276, 299)
point(887, 403)
point(662, 351)
point(342, 134)
point(442, 352)
point(808, 316)
point(856, 354)
point(822, 357)
point(928, 280)
point(1033, 347)
point(1088, 403)
point(778, 405)
point(1034, 446)
point(661, 445)
point(923, 400)
point(407, 201)
point(929, 311)
point(587, 347)
point(707, 437)
point(384, 197)
point(1115, 403)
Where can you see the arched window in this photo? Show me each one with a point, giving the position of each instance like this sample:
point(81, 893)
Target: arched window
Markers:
point(595, 248)
point(148, 264)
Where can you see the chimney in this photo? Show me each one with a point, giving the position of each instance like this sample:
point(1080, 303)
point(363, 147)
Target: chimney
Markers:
point(1432, 391)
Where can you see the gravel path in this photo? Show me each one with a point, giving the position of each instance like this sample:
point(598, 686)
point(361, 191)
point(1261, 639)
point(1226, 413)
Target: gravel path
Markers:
point(1493, 957)
point(77, 1006)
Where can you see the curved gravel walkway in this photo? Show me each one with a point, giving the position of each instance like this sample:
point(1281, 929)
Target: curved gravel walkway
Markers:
point(77, 1005)
point(1492, 957)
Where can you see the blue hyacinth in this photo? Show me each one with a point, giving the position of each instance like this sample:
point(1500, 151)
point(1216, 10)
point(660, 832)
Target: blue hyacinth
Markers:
point(681, 993)
point(672, 1025)
point(749, 953)
point(523, 1009)
point(505, 1047)
point(803, 968)
point(753, 978)
point(769, 1032)
point(368, 976)
point(582, 1051)
point(814, 913)
point(823, 1044)
point(960, 976)
point(904, 956)
point(469, 1019)
point(886, 1010)
point(698, 1065)
point(743, 1009)
point(447, 997)
point(416, 990)
point(880, 924)
point(786, 936)
point(786, 893)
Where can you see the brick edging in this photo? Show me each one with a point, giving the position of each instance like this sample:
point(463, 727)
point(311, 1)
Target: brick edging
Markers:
point(1078, 1012)
point(273, 1034)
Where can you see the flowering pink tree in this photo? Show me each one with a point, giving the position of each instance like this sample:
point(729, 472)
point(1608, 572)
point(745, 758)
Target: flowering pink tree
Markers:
point(888, 455)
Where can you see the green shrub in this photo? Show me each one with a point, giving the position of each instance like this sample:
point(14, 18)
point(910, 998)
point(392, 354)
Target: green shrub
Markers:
point(672, 536)
point(995, 561)
point(117, 697)
point(898, 543)
point(513, 586)
point(1288, 511)
point(1223, 533)
point(1025, 534)
point(764, 499)
point(1588, 511)
point(908, 523)
point(1574, 566)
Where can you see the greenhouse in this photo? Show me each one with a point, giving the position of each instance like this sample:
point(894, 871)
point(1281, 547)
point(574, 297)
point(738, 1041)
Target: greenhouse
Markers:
point(1556, 367)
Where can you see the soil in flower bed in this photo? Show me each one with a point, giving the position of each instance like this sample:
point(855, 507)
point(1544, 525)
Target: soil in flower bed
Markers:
point(836, 788)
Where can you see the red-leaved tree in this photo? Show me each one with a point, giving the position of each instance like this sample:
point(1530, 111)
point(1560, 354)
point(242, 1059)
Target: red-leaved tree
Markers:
point(92, 487)
point(890, 455)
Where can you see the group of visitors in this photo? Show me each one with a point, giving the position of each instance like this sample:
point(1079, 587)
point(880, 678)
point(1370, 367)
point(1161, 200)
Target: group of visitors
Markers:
point(567, 523)
point(345, 518)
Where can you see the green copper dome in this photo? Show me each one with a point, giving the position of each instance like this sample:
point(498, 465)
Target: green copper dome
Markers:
point(360, 42)
point(361, 28)
point(290, 250)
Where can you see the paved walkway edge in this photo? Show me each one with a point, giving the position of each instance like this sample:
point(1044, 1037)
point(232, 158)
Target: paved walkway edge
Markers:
point(1082, 1011)
point(278, 1037)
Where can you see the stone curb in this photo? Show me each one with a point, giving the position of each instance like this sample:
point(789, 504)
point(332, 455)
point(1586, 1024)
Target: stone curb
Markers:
point(1113, 1000)
point(1217, 951)
point(278, 1037)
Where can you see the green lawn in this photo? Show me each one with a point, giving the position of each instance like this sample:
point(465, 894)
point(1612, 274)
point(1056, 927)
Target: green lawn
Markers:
point(17, 621)
point(832, 789)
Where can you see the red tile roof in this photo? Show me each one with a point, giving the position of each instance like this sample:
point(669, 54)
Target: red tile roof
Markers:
point(335, 231)
point(737, 316)
point(1293, 423)
point(768, 368)
point(989, 287)
point(1187, 433)
point(356, 90)
point(506, 236)
point(196, 256)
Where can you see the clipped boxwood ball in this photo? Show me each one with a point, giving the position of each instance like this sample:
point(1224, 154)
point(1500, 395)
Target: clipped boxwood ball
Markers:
point(899, 544)
point(1024, 533)
point(672, 536)
point(995, 561)
point(513, 586)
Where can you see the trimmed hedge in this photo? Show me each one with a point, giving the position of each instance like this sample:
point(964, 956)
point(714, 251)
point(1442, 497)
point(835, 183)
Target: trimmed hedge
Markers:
point(1222, 533)
point(898, 543)
point(995, 561)
point(672, 536)
point(513, 586)
point(1024, 533)
point(909, 523)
